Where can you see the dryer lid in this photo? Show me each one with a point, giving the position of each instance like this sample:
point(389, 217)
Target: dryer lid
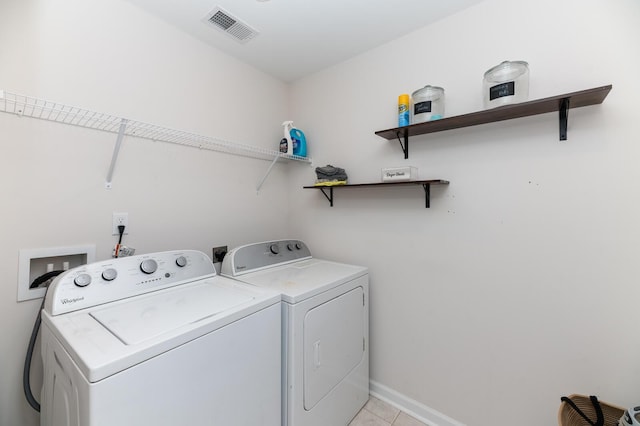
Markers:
point(301, 280)
point(139, 320)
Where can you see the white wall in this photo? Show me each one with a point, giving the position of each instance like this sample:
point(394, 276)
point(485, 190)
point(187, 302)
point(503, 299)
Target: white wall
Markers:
point(516, 287)
point(108, 56)
point(520, 283)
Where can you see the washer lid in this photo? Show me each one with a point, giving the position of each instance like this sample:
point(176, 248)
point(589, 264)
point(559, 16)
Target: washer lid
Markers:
point(152, 316)
point(110, 338)
point(300, 280)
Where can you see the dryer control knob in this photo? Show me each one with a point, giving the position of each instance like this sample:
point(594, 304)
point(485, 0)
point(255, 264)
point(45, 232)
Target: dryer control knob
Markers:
point(109, 274)
point(82, 280)
point(181, 261)
point(298, 246)
point(274, 248)
point(290, 247)
point(149, 266)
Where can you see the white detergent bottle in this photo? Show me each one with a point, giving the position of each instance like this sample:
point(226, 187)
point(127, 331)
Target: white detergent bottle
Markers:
point(288, 125)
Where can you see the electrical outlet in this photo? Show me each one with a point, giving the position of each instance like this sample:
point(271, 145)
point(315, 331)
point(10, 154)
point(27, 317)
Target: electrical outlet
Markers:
point(120, 219)
point(219, 253)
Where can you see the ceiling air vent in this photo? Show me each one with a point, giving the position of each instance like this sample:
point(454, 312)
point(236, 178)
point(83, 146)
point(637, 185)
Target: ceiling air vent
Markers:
point(234, 27)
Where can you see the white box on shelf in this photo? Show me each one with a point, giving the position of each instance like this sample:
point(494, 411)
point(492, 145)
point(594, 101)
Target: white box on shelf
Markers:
point(399, 174)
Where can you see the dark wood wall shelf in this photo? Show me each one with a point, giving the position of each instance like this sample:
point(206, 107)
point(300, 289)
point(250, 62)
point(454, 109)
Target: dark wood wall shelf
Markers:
point(560, 103)
point(426, 185)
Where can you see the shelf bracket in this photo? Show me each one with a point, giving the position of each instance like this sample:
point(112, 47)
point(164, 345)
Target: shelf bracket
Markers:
point(116, 150)
point(405, 147)
point(273, 163)
point(564, 115)
point(328, 196)
point(427, 195)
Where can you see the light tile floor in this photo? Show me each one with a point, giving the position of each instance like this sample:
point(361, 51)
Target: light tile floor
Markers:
point(379, 413)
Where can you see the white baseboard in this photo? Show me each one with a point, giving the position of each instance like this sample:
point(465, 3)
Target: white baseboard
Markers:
point(413, 408)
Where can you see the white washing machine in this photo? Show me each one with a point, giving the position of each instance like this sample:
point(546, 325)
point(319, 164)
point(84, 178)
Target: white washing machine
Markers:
point(159, 339)
point(325, 328)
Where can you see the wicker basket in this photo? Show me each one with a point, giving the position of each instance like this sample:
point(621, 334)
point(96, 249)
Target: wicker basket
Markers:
point(567, 416)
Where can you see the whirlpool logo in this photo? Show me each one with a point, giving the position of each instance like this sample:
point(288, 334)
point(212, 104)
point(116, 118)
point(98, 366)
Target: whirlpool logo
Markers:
point(66, 301)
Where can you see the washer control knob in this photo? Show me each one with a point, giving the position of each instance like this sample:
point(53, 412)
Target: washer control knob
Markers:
point(298, 246)
point(181, 261)
point(109, 274)
point(149, 266)
point(290, 247)
point(274, 248)
point(82, 280)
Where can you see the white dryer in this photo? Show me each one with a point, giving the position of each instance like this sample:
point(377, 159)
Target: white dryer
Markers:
point(325, 313)
point(159, 339)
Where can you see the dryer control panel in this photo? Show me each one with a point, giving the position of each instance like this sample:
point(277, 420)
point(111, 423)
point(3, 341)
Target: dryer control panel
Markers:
point(115, 279)
point(253, 257)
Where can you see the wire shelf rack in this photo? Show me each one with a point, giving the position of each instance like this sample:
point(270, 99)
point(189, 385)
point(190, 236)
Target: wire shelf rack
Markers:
point(29, 106)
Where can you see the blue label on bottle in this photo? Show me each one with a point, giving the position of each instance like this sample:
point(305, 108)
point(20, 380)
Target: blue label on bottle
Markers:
point(403, 119)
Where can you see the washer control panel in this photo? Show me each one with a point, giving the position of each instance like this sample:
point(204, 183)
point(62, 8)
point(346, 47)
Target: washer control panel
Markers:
point(253, 257)
point(115, 279)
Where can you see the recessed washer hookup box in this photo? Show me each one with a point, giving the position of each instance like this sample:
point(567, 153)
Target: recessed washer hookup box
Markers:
point(399, 174)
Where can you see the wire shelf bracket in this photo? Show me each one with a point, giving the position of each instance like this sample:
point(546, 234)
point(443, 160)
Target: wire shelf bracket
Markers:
point(28, 106)
point(116, 150)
